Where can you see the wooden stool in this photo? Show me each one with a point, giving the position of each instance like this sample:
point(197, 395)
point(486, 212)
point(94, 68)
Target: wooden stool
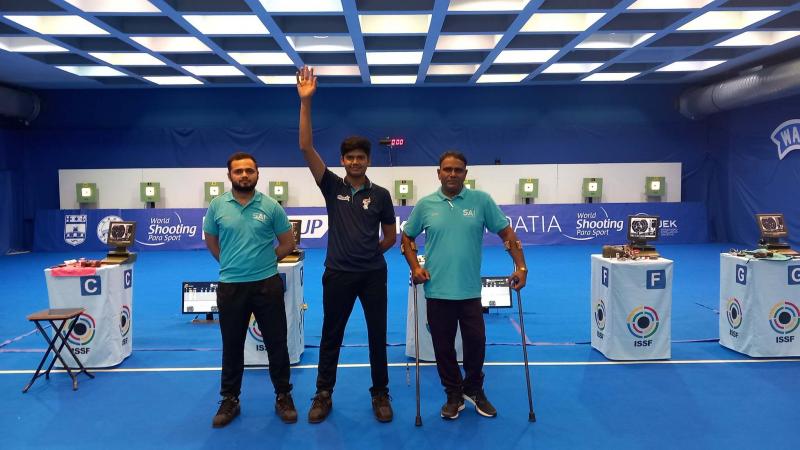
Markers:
point(52, 316)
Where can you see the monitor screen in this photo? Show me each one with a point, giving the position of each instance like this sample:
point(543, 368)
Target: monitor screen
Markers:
point(297, 227)
point(642, 228)
point(121, 234)
point(199, 297)
point(495, 292)
point(771, 225)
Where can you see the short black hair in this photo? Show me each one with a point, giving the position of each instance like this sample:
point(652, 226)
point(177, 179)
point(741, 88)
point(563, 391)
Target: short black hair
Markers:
point(356, 143)
point(452, 154)
point(240, 155)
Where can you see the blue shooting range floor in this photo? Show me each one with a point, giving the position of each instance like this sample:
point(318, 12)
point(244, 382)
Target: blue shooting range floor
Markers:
point(165, 394)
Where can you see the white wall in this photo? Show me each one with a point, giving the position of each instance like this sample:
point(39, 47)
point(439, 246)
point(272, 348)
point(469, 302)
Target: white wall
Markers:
point(558, 183)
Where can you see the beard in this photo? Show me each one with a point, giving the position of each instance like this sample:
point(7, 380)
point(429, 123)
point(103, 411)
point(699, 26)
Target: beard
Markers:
point(246, 188)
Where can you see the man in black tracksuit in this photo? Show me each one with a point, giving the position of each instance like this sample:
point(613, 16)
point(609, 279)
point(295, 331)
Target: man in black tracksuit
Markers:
point(354, 265)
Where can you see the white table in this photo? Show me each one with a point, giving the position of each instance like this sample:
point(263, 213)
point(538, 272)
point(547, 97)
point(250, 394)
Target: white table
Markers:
point(103, 336)
point(631, 307)
point(759, 306)
point(425, 341)
point(255, 352)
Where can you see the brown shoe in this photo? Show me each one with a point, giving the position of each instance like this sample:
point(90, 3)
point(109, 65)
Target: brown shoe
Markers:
point(450, 410)
point(228, 410)
point(382, 406)
point(284, 407)
point(321, 406)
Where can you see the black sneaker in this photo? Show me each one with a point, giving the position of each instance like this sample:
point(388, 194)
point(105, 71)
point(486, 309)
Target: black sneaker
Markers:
point(382, 406)
point(321, 406)
point(284, 407)
point(228, 410)
point(451, 409)
point(481, 403)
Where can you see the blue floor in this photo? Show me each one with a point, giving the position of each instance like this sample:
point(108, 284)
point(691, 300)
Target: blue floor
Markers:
point(165, 394)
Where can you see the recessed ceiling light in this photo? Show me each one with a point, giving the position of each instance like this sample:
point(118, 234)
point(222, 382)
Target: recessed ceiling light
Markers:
point(758, 38)
point(213, 71)
point(393, 58)
point(93, 71)
point(524, 56)
point(128, 59)
point(173, 80)
point(614, 40)
point(25, 44)
point(114, 6)
point(347, 70)
point(689, 66)
point(619, 76)
point(172, 44)
point(262, 58)
point(228, 24)
point(571, 67)
point(467, 41)
point(58, 25)
point(321, 43)
point(501, 78)
point(561, 22)
point(302, 6)
point(393, 79)
point(278, 79)
point(669, 4)
point(726, 20)
point(452, 69)
point(395, 24)
point(487, 5)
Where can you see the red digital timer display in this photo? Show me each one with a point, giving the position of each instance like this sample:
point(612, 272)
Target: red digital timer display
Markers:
point(393, 141)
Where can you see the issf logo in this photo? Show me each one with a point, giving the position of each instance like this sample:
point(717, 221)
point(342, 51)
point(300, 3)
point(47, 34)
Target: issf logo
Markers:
point(125, 321)
point(734, 312)
point(600, 315)
point(643, 322)
point(83, 332)
point(784, 318)
point(254, 331)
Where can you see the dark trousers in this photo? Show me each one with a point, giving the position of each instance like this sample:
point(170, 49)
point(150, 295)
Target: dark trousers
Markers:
point(236, 302)
point(444, 317)
point(339, 292)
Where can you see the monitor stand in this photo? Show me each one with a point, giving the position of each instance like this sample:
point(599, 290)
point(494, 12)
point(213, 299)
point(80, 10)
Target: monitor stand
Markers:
point(119, 255)
point(776, 246)
point(209, 319)
point(645, 251)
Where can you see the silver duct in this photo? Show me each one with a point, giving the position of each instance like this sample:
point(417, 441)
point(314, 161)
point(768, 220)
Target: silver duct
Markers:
point(20, 105)
point(767, 84)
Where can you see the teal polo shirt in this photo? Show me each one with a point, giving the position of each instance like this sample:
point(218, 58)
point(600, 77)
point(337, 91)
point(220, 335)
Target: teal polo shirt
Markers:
point(454, 230)
point(246, 236)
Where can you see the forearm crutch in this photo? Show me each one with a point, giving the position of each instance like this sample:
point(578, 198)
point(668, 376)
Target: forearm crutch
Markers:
point(418, 420)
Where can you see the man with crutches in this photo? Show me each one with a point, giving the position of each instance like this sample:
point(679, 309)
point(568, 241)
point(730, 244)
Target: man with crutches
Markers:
point(454, 219)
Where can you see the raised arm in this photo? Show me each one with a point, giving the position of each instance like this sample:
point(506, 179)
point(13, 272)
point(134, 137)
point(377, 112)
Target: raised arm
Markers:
point(306, 86)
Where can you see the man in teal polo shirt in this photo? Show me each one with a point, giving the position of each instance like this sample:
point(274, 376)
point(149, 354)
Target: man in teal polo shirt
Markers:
point(240, 229)
point(453, 219)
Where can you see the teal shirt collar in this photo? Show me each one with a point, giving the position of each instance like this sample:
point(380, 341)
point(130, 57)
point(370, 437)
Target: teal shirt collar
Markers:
point(441, 195)
point(230, 198)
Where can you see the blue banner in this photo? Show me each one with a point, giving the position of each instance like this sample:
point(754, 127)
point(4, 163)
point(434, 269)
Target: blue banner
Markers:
point(182, 229)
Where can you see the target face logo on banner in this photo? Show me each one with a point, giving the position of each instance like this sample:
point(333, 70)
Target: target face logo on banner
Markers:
point(600, 315)
point(734, 311)
point(784, 317)
point(125, 321)
point(83, 333)
point(643, 322)
point(254, 331)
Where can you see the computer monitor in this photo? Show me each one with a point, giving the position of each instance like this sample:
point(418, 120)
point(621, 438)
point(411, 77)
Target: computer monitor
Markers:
point(199, 297)
point(642, 229)
point(121, 235)
point(772, 226)
point(495, 292)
